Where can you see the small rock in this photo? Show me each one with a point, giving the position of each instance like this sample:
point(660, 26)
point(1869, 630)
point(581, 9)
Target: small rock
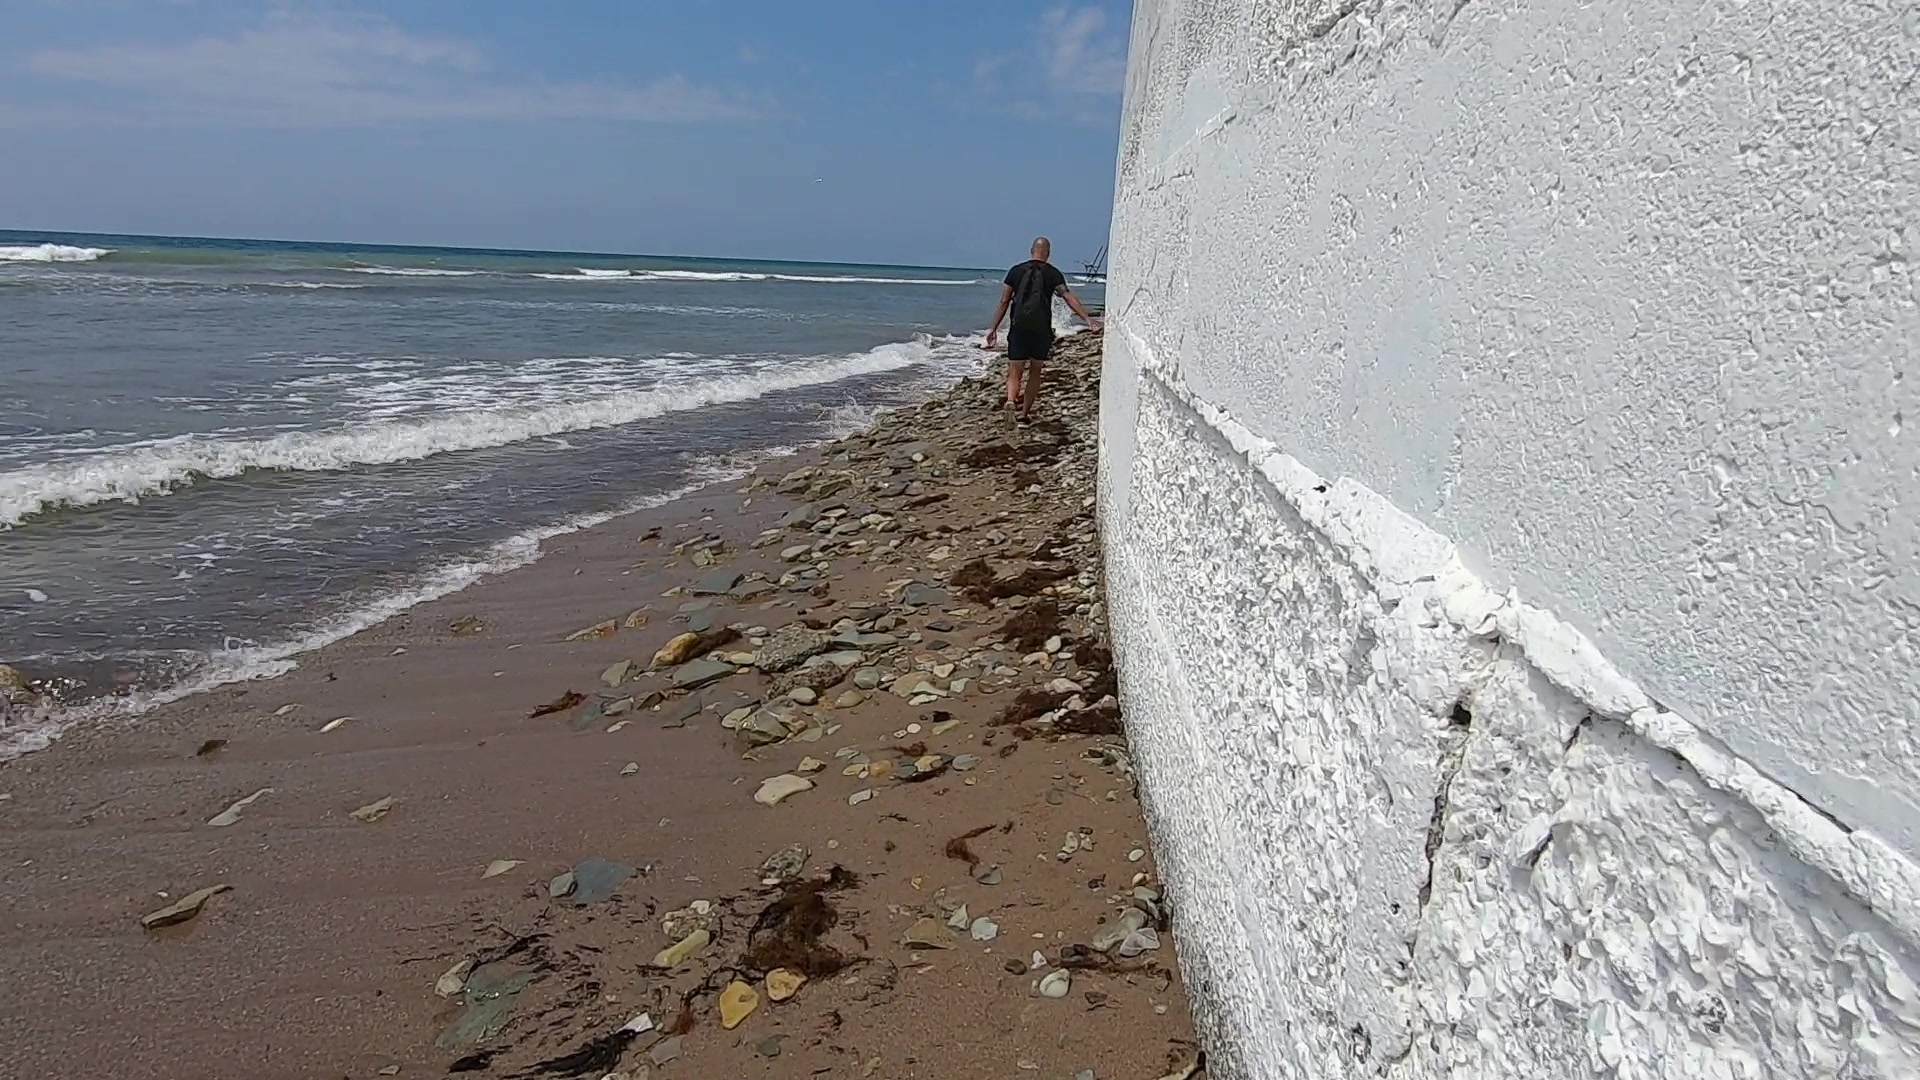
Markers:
point(987, 875)
point(959, 920)
point(561, 885)
point(1136, 855)
point(664, 1051)
point(965, 762)
point(467, 625)
point(859, 797)
point(769, 1047)
point(681, 951)
point(629, 768)
point(182, 909)
point(737, 1002)
point(497, 867)
point(597, 630)
point(676, 651)
point(848, 699)
point(636, 619)
point(926, 934)
point(775, 788)
point(1057, 984)
point(984, 929)
point(617, 673)
point(867, 679)
point(596, 879)
point(810, 765)
point(454, 981)
point(717, 583)
point(699, 673)
point(784, 865)
point(1015, 966)
point(803, 695)
point(783, 984)
point(374, 810)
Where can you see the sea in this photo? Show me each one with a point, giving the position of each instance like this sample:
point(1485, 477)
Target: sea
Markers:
point(216, 455)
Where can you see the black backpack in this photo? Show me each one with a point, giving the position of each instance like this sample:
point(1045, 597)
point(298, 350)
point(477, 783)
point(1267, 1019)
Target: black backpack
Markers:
point(1032, 303)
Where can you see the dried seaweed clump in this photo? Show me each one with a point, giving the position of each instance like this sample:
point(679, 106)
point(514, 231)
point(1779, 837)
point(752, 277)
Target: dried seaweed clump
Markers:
point(787, 932)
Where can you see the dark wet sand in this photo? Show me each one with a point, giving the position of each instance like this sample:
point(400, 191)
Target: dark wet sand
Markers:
point(322, 959)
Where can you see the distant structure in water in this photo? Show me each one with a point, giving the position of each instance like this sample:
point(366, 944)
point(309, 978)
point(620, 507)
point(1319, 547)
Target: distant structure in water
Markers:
point(1094, 270)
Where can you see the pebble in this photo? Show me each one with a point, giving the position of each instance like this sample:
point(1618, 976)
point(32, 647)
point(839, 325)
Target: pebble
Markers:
point(629, 768)
point(1056, 985)
point(737, 1002)
point(984, 929)
point(775, 788)
point(681, 951)
point(783, 984)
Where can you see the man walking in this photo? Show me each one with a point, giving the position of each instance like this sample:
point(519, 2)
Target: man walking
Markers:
point(1029, 290)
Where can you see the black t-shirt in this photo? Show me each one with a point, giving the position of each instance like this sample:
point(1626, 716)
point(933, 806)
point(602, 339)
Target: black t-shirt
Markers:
point(1050, 282)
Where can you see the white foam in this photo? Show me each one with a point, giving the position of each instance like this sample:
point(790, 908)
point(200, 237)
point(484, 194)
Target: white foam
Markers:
point(604, 276)
point(310, 285)
point(51, 253)
point(24, 732)
point(134, 471)
point(409, 271)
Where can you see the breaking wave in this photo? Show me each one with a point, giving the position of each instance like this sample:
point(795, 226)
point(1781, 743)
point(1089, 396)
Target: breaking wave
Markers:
point(51, 253)
point(410, 271)
point(593, 275)
point(132, 472)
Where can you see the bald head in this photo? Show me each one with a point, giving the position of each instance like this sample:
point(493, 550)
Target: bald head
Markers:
point(1042, 248)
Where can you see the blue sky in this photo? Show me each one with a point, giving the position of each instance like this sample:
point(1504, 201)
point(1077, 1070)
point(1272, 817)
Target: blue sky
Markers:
point(855, 130)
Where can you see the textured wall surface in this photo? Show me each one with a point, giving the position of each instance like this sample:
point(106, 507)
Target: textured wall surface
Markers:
point(1511, 520)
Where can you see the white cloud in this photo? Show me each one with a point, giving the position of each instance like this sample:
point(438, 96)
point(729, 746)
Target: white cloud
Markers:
point(1080, 61)
point(1082, 57)
point(295, 70)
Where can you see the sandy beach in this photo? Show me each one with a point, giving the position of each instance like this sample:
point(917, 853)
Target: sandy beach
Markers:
point(816, 774)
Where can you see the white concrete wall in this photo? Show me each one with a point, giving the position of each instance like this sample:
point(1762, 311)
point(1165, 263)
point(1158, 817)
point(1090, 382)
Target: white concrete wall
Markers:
point(1511, 498)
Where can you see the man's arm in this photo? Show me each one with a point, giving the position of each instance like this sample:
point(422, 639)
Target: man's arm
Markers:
point(1078, 308)
point(999, 312)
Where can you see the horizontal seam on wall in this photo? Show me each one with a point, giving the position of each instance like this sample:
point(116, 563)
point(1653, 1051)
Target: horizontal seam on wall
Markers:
point(1879, 876)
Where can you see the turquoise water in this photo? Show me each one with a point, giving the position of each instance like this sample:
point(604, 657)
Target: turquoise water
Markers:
point(214, 453)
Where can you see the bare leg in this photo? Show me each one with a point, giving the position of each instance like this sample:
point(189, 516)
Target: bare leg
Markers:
point(1032, 390)
point(1014, 370)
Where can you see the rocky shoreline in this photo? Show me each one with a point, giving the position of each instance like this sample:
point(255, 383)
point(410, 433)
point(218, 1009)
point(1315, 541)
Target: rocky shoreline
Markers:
point(881, 684)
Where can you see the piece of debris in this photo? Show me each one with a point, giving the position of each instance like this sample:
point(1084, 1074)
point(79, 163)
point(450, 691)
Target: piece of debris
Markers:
point(334, 724)
point(664, 1051)
point(629, 768)
point(210, 746)
point(231, 814)
point(558, 705)
point(182, 909)
point(373, 811)
point(983, 929)
point(467, 625)
point(499, 866)
point(596, 879)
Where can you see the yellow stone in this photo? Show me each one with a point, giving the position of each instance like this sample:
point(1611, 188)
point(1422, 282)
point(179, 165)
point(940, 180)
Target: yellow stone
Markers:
point(737, 1002)
point(678, 953)
point(783, 984)
point(676, 651)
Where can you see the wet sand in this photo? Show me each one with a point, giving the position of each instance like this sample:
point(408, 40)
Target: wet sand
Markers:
point(322, 957)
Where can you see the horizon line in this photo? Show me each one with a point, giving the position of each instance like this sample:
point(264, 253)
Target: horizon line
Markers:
point(369, 245)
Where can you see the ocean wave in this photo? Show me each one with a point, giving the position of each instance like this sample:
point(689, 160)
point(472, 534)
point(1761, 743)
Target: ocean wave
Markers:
point(31, 730)
point(602, 276)
point(52, 253)
point(308, 285)
point(410, 271)
point(132, 472)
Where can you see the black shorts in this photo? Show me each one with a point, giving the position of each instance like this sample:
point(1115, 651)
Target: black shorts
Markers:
point(1024, 345)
